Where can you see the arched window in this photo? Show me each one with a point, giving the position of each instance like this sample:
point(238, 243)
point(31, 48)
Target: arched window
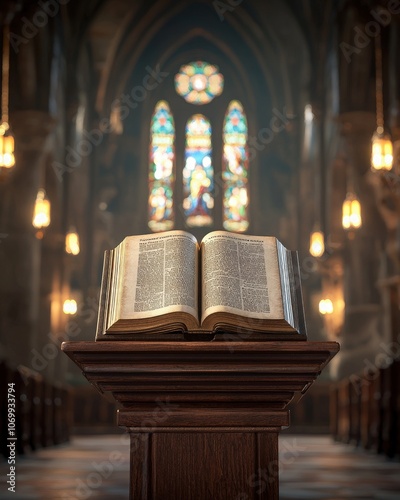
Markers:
point(198, 173)
point(235, 169)
point(198, 83)
point(161, 169)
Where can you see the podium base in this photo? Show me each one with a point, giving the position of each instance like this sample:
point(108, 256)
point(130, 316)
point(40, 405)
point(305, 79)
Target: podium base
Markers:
point(203, 417)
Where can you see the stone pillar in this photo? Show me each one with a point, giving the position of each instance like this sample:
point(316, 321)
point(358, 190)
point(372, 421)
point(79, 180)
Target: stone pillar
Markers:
point(21, 250)
point(362, 329)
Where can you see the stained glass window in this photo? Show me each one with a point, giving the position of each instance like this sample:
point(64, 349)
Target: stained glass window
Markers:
point(198, 173)
point(235, 169)
point(199, 82)
point(161, 169)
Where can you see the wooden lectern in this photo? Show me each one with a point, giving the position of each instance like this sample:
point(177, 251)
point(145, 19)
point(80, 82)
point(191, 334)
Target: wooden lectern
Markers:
point(203, 417)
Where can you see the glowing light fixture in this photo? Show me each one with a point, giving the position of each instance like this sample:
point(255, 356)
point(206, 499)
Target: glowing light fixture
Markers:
point(317, 239)
point(70, 307)
point(72, 242)
point(325, 306)
point(382, 151)
point(382, 147)
point(7, 159)
point(308, 114)
point(351, 212)
point(41, 213)
point(317, 245)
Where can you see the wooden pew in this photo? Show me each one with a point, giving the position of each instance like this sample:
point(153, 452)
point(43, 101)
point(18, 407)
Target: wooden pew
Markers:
point(42, 413)
point(365, 410)
point(354, 393)
point(333, 411)
point(343, 425)
point(4, 379)
point(47, 414)
point(24, 394)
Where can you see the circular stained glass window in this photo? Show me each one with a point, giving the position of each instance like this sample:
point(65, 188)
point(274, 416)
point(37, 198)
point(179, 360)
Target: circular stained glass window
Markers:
point(199, 82)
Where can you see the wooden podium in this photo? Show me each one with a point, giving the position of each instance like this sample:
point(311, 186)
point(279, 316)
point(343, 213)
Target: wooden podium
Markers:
point(203, 417)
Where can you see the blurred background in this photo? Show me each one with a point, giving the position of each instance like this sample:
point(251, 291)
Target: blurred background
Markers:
point(268, 118)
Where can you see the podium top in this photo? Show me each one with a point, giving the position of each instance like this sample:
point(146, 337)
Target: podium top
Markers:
point(211, 385)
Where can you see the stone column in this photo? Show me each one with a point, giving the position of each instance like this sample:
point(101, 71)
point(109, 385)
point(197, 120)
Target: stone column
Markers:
point(362, 329)
point(20, 250)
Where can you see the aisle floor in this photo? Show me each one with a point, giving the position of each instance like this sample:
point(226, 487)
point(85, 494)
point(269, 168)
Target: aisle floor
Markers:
point(97, 467)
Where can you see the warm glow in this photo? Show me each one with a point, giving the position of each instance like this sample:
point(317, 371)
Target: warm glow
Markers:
point(7, 159)
point(325, 306)
point(308, 114)
point(382, 152)
point(70, 306)
point(317, 246)
point(199, 82)
point(351, 212)
point(339, 304)
point(72, 242)
point(41, 213)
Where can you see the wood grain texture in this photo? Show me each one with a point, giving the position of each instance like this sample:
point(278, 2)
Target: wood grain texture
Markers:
point(202, 374)
point(224, 466)
point(140, 466)
point(267, 465)
point(189, 418)
point(204, 417)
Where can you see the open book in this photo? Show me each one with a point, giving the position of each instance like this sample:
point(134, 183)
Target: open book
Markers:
point(168, 282)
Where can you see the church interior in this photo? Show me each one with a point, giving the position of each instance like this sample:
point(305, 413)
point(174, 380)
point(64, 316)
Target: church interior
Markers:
point(273, 118)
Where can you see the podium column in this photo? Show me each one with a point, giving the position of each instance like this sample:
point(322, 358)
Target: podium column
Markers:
point(203, 417)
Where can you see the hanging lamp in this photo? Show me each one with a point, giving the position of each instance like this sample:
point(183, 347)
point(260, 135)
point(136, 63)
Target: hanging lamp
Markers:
point(72, 245)
point(351, 212)
point(382, 146)
point(41, 213)
point(317, 244)
point(7, 159)
point(317, 238)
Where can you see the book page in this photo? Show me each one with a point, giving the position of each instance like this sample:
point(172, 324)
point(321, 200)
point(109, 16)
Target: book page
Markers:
point(240, 275)
point(159, 275)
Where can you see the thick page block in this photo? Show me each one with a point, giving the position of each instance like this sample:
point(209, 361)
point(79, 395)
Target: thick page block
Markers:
point(229, 286)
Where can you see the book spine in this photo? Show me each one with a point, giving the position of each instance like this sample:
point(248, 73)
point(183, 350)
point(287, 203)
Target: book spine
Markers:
point(297, 295)
point(104, 299)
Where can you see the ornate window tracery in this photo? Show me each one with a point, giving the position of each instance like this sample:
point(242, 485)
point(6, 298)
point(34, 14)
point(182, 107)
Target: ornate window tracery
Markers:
point(199, 83)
